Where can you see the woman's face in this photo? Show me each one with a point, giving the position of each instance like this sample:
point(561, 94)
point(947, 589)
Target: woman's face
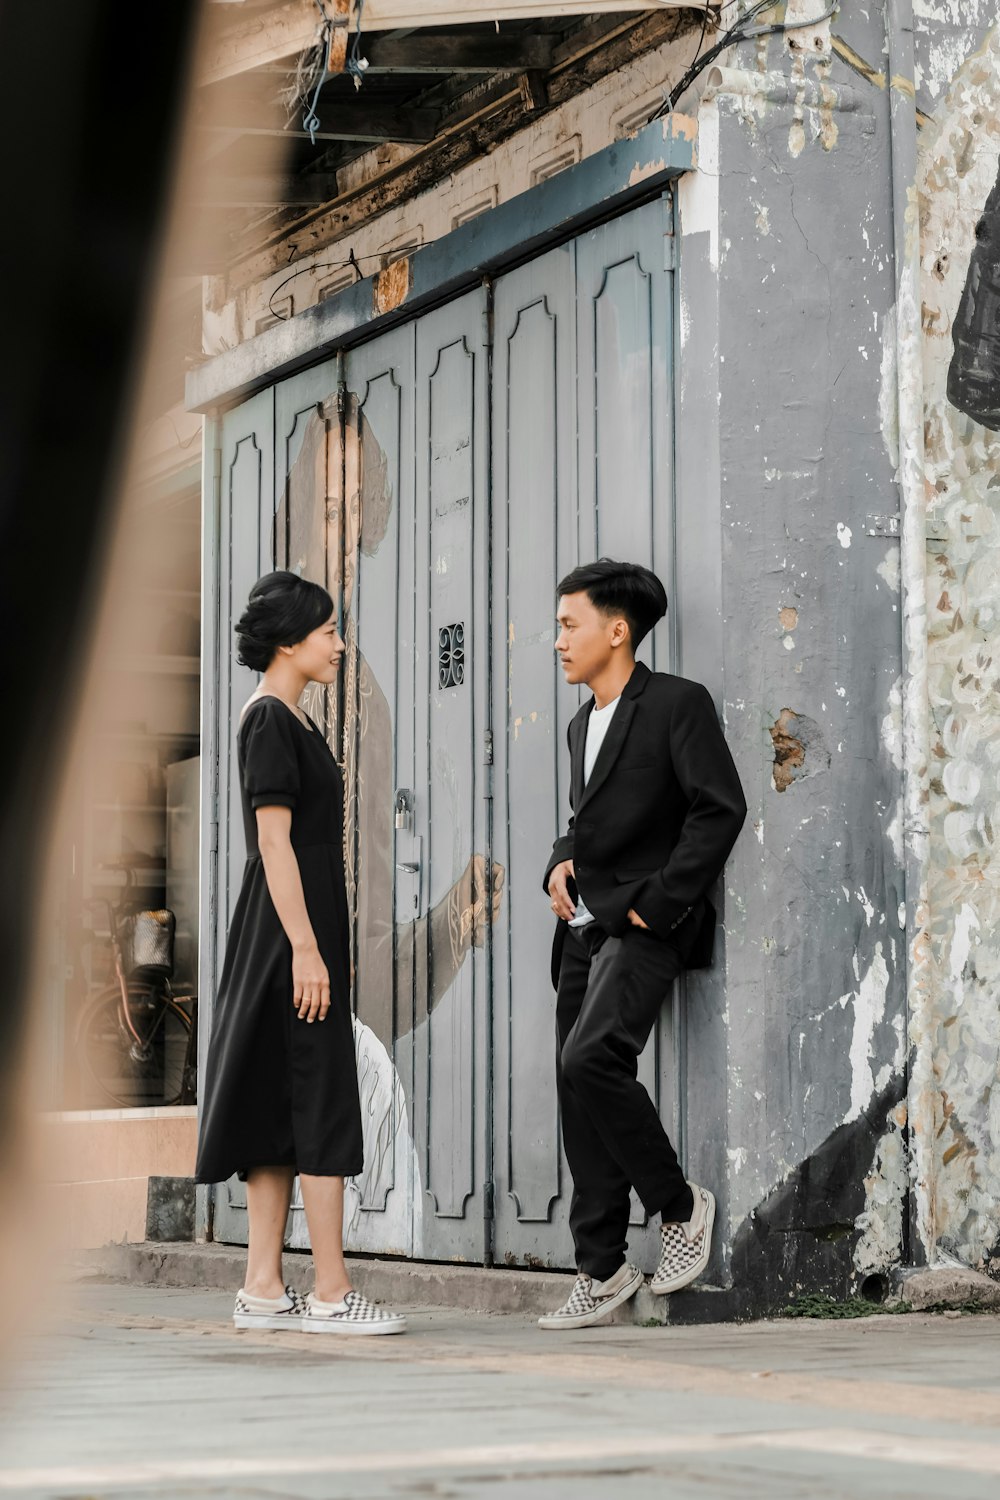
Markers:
point(318, 656)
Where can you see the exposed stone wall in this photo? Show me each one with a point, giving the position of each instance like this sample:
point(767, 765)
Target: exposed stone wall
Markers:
point(959, 159)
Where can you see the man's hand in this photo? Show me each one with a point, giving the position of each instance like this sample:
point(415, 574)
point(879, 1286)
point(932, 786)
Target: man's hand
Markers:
point(561, 903)
point(636, 920)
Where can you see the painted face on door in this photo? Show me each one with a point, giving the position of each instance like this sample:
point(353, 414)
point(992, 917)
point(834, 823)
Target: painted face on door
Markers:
point(587, 638)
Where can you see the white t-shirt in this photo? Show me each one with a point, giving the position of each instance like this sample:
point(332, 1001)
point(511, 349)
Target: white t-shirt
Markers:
point(597, 727)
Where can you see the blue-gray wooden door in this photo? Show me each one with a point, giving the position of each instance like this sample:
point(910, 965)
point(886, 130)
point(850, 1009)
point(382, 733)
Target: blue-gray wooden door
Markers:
point(440, 501)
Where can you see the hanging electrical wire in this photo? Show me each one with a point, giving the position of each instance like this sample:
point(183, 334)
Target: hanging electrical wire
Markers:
point(357, 65)
point(326, 265)
point(742, 30)
point(310, 120)
point(317, 71)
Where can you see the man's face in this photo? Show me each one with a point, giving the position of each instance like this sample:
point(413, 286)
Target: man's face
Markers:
point(587, 639)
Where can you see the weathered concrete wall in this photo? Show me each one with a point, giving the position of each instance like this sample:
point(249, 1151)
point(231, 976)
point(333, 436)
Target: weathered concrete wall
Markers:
point(810, 636)
point(796, 151)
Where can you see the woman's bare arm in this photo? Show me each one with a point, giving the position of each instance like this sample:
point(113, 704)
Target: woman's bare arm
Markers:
point(310, 978)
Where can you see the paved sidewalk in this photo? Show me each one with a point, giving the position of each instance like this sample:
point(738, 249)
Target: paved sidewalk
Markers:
point(150, 1391)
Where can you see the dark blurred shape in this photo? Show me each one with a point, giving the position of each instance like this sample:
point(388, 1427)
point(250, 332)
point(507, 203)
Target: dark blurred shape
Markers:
point(974, 375)
point(90, 102)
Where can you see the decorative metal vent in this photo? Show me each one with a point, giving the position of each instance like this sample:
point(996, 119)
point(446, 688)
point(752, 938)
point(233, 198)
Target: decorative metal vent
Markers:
point(451, 655)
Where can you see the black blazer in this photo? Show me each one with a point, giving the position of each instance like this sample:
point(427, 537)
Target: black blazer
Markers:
point(656, 822)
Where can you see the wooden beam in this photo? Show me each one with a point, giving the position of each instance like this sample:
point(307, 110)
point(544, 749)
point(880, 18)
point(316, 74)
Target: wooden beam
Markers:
point(384, 15)
point(260, 38)
point(268, 191)
point(457, 54)
point(337, 123)
point(286, 30)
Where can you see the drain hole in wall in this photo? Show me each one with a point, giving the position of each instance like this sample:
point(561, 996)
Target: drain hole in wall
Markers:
point(874, 1288)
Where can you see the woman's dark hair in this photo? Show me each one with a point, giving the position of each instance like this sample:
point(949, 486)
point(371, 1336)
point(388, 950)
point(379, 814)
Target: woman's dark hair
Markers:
point(617, 588)
point(282, 610)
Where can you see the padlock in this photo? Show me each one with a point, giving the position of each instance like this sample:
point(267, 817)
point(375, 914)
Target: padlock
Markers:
point(402, 808)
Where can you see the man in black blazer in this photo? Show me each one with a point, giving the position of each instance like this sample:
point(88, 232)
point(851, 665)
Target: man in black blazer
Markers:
point(657, 806)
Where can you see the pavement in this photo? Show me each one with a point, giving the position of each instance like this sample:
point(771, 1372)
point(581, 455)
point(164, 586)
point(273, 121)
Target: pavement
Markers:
point(149, 1391)
point(465, 1287)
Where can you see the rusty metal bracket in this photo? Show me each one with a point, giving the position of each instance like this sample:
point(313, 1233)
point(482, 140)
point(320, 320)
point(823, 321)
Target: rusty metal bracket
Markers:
point(339, 23)
point(884, 526)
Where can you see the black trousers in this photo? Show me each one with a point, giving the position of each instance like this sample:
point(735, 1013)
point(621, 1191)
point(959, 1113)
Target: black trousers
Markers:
point(610, 993)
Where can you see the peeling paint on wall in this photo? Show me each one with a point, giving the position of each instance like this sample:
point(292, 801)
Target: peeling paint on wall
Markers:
point(880, 1222)
point(799, 749)
point(869, 1011)
point(392, 286)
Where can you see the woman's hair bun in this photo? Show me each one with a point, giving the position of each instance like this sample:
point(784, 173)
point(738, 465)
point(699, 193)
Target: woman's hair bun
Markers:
point(281, 611)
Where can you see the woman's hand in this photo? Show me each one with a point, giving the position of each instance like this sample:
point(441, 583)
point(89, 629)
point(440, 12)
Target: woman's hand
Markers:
point(310, 979)
point(310, 983)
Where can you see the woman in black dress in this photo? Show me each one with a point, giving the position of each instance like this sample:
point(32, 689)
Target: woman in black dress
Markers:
point(281, 1089)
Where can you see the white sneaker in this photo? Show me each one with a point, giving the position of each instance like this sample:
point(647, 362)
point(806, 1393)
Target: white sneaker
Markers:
point(591, 1301)
point(354, 1315)
point(269, 1312)
point(685, 1247)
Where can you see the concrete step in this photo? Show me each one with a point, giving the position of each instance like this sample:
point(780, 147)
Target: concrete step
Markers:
point(405, 1283)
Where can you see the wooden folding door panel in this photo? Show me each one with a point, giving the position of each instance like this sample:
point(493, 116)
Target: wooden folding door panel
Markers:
point(624, 353)
point(582, 468)
point(534, 544)
point(379, 618)
point(451, 786)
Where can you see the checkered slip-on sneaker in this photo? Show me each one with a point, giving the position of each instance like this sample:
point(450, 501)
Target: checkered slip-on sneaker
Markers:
point(685, 1247)
point(591, 1301)
point(354, 1315)
point(269, 1312)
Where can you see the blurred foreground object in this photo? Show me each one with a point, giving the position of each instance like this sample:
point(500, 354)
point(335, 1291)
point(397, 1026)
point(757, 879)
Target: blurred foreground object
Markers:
point(76, 266)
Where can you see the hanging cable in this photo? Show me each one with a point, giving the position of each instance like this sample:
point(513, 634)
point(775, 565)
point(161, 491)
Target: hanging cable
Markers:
point(741, 31)
point(310, 120)
point(357, 65)
point(326, 265)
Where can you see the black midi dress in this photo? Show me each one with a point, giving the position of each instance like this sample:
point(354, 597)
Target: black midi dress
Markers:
point(279, 1091)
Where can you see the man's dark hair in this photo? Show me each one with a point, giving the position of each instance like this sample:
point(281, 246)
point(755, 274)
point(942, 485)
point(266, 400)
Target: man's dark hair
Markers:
point(282, 610)
point(617, 588)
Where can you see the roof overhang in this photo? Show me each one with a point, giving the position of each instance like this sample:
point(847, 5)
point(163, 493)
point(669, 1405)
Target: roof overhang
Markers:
point(258, 38)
